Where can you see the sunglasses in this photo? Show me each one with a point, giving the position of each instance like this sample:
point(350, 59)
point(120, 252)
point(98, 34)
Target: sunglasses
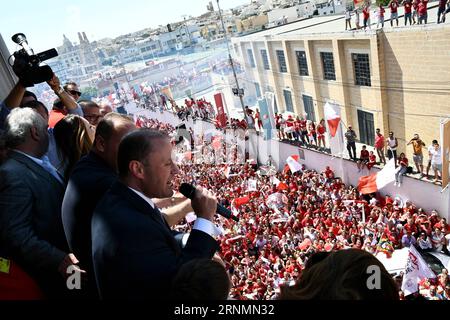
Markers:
point(75, 93)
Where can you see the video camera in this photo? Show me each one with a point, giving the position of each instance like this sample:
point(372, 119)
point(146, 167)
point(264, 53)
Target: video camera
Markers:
point(27, 64)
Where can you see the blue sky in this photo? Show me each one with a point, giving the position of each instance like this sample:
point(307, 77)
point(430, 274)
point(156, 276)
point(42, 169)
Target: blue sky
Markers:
point(44, 22)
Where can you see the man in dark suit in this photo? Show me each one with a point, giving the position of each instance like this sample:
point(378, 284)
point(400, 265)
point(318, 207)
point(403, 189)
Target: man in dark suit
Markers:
point(135, 253)
point(31, 192)
point(92, 176)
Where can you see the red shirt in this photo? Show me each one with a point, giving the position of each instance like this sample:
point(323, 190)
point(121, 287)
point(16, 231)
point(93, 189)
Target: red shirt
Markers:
point(54, 117)
point(422, 7)
point(407, 6)
point(379, 141)
point(393, 5)
point(381, 12)
point(321, 129)
point(364, 154)
point(403, 162)
point(366, 13)
point(329, 174)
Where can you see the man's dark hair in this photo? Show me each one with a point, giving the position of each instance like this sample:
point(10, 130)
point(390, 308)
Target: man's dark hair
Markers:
point(88, 104)
point(136, 145)
point(34, 104)
point(105, 127)
point(201, 279)
point(67, 84)
point(58, 104)
point(29, 94)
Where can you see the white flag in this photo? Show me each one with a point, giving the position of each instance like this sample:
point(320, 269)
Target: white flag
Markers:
point(252, 185)
point(274, 180)
point(386, 175)
point(293, 164)
point(416, 270)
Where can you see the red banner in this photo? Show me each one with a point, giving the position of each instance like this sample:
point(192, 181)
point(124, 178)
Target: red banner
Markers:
point(221, 117)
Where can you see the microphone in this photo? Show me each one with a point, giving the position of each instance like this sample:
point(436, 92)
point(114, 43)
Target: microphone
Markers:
point(188, 190)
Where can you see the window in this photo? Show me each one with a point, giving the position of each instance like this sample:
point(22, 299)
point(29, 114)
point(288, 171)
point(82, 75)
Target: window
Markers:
point(302, 64)
point(288, 100)
point(328, 65)
point(362, 69)
point(366, 127)
point(250, 58)
point(281, 61)
point(258, 90)
point(265, 59)
point(309, 108)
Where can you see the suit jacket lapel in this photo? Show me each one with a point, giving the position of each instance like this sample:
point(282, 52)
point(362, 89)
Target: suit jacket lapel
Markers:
point(36, 168)
point(145, 208)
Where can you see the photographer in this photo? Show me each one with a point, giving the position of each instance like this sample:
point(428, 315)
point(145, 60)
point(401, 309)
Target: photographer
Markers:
point(417, 153)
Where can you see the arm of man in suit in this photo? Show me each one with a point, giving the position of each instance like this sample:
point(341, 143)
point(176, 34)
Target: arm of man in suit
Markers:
point(16, 226)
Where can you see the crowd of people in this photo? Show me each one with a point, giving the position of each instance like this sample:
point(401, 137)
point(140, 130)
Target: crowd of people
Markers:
point(289, 217)
point(76, 180)
point(415, 12)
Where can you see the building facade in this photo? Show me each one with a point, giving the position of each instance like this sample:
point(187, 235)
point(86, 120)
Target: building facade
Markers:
point(396, 80)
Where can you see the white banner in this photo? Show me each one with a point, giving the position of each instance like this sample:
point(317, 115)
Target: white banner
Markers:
point(416, 270)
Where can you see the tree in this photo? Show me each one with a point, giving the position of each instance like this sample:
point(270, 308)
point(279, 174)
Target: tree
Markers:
point(89, 93)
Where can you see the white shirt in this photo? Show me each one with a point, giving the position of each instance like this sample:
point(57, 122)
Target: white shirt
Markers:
point(200, 224)
point(436, 156)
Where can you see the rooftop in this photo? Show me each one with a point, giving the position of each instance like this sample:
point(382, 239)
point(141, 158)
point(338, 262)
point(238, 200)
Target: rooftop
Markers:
point(334, 24)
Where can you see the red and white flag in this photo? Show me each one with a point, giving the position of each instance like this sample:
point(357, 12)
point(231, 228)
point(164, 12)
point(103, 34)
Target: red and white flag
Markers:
point(293, 164)
point(377, 181)
point(333, 117)
point(415, 271)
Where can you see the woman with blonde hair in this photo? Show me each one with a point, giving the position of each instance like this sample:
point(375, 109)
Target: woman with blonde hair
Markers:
point(73, 139)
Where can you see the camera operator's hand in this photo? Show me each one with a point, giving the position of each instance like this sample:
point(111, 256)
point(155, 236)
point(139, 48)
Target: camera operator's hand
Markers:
point(204, 203)
point(54, 83)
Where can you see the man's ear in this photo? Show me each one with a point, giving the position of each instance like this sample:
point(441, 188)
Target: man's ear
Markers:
point(34, 133)
point(99, 143)
point(136, 169)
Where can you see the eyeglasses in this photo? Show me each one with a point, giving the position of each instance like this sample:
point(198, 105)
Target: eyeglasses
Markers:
point(74, 92)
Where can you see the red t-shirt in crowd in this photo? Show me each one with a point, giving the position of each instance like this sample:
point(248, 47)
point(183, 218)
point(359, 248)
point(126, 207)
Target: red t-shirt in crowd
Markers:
point(366, 13)
point(364, 154)
point(407, 6)
point(321, 129)
point(393, 5)
point(379, 141)
point(381, 12)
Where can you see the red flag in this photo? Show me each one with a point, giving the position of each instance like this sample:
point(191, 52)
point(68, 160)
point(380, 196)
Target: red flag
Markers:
point(333, 117)
point(240, 201)
point(282, 186)
point(221, 117)
point(368, 184)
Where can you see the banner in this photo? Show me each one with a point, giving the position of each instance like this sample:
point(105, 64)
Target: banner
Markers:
point(221, 117)
point(416, 270)
point(334, 124)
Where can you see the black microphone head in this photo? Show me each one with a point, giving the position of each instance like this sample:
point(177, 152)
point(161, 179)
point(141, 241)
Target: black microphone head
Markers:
point(187, 190)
